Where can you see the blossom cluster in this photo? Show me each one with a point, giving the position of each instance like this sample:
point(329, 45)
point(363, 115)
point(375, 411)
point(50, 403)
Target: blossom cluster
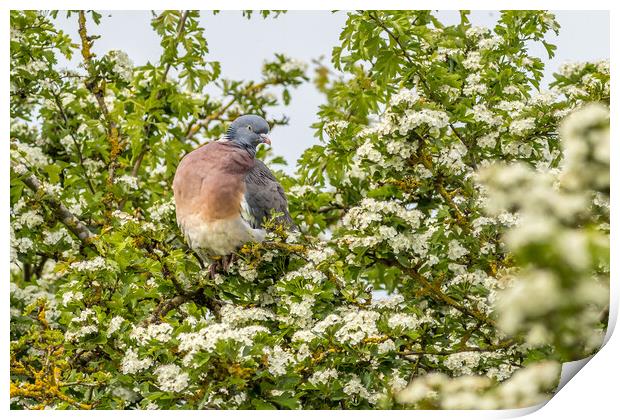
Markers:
point(526, 388)
point(555, 207)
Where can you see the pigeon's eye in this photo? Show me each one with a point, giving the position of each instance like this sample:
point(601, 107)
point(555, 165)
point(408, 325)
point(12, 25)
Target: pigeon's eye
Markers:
point(250, 127)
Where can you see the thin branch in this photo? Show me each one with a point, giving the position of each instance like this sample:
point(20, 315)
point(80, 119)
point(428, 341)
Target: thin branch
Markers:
point(473, 312)
point(424, 82)
point(164, 307)
point(138, 162)
point(329, 207)
point(180, 29)
point(75, 225)
point(427, 163)
point(182, 297)
point(434, 290)
point(145, 148)
point(98, 91)
point(393, 36)
point(468, 334)
point(74, 383)
point(402, 48)
point(194, 128)
point(197, 296)
point(474, 164)
point(75, 142)
point(501, 345)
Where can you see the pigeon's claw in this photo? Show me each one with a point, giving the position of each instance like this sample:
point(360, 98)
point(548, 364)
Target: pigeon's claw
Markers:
point(213, 268)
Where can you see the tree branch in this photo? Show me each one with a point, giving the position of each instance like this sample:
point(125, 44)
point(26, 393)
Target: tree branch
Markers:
point(180, 29)
point(424, 82)
point(501, 345)
point(75, 142)
point(98, 91)
point(144, 150)
point(474, 164)
point(194, 128)
point(164, 307)
point(182, 297)
point(77, 227)
point(436, 292)
point(473, 312)
point(167, 305)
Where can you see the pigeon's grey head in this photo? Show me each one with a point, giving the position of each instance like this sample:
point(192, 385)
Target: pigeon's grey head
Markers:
point(249, 131)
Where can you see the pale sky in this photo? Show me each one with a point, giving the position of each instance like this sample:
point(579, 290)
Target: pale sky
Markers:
point(242, 45)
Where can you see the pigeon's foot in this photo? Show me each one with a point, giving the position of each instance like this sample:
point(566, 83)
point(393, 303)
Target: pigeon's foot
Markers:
point(227, 261)
point(214, 267)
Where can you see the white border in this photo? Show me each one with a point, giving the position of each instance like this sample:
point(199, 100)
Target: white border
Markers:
point(306, 4)
point(592, 394)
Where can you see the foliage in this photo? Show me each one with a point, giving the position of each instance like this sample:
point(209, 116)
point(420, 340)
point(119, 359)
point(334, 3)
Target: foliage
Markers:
point(440, 178)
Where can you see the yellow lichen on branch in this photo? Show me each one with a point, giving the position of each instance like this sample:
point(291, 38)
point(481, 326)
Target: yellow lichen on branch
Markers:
point(86, 42)
point(44, 392)
point(42, 382)
point(97, 88)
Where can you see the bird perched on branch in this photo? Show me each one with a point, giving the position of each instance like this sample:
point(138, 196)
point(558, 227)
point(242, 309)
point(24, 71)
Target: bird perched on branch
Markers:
point(223, 194)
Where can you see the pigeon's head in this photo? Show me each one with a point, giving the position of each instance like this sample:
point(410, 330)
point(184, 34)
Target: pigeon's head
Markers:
point(249, 131)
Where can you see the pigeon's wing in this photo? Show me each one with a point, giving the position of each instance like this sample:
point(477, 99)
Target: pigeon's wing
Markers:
point(264, 195)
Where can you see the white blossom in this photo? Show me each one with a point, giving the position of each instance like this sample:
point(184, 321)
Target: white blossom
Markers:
point(355, 387)
point(323, 376)
point(131, 363)
point(171, 378)
point(122, 64)
point(160, 332)
point(293, 64)
point(521, 127)
point(456, 250)
point(404, 321)
point(412, 119)
point(357, 326)
point(92, 265)
point(473, 61)
point(71, 296)
point(410, 96)
point(278, 360)
point(128, 180)
point(115, 324)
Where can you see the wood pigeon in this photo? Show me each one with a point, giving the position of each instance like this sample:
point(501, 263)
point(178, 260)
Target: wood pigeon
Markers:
point(223, 194)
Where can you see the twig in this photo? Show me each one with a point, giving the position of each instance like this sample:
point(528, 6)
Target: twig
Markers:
point(424, 82)
point(194, 128)
point(474, 164)
point(499, 346)
point(77, 227)
point(98, 91)
point(448, 300)
point(468, 334)
point(183, 296)
point(75, 142)
point(434, 290)
point(214, 305)
point(402, 48)
point(164, 307)
point(393, 36)
point(144, 149)
point(180, 29)
point(427, 163)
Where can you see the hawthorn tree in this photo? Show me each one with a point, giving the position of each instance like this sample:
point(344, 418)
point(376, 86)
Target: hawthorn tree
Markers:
point(441, 177)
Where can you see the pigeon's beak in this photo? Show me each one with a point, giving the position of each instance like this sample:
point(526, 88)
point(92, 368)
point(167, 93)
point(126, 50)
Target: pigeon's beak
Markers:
point(265, 139)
